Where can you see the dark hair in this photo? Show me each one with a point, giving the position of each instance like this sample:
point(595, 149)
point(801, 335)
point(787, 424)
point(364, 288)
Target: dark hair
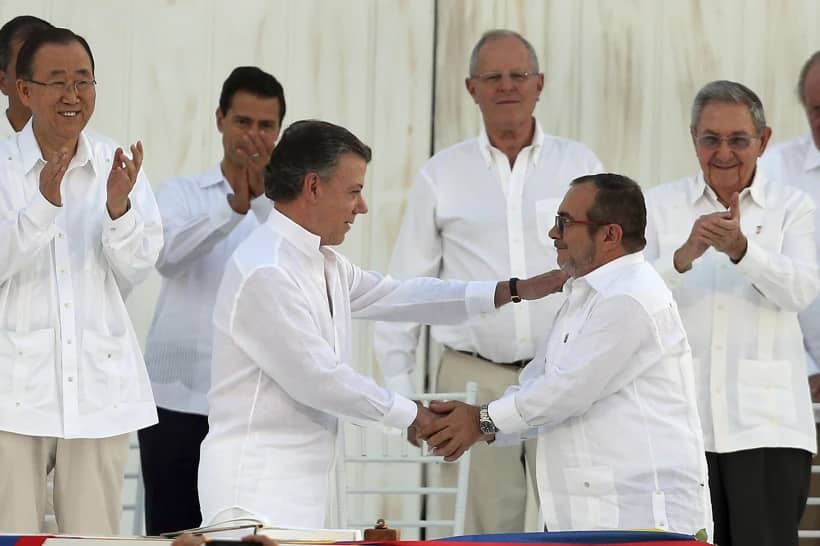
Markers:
point(53, 35)
point(801, 81)
point(618, 200)
point(308, 146)
point(254, 81)
point(19, 28)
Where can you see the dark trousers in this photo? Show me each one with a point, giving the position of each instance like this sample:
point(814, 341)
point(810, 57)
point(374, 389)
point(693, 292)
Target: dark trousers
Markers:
point(758, 495)
point(169, 454)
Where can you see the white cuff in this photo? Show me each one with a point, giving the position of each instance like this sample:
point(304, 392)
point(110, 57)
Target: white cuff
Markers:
point(261, 207)
point(402, 414)
point(505, 416)
point(480, 298)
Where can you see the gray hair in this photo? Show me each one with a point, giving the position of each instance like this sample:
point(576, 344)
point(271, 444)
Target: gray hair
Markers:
point(308, 146)
point(801, 81)
point(497, 34)
point(731, 92)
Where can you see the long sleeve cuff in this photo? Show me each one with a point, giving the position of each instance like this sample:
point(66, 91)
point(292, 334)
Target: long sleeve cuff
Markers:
point(261, 207)
point(754, 259)
point(41, 212)
point(401, 384)
point(480, 298)
point(402, 414)
point(122, 226)
point(504, 414)
point(224, 217)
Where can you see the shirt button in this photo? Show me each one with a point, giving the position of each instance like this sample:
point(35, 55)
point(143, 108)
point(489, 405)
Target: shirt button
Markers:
point(67, 304)
point(68, 341)
point(586, 484)
point(71, 379)
point(60, 235)
point(16, 403)
point(20, 353)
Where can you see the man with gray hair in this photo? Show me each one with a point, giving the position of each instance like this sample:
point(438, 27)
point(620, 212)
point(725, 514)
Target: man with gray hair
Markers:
point(481, 210)
point(281, 373)
point(738, 252)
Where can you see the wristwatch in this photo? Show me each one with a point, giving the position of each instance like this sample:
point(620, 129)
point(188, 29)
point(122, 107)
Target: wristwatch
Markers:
point(514, 297)
point(485, 424)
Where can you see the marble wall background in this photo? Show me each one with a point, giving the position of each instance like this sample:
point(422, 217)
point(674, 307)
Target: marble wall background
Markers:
point(620, 76)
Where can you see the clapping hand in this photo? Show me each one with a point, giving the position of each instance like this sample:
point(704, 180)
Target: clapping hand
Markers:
point(121, 179)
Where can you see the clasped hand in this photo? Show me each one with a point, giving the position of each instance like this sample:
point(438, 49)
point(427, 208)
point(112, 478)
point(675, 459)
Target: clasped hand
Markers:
point(449, 428)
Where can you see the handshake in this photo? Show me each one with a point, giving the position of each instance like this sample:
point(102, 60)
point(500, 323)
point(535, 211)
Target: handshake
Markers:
point(449, 428)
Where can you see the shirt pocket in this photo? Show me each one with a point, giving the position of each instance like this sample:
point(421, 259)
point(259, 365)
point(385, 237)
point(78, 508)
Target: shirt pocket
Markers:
point(765, 394)
point(105, 372)
point(27, 372)
point(593, 499)
point(545, 211)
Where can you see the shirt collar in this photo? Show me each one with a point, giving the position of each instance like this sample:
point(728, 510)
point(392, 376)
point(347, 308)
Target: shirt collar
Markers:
point(812, 160)
point(30, 152)
point(485, 146)
point(600, 277)
point(213, 176)
point(757, 189)
point(301, 238)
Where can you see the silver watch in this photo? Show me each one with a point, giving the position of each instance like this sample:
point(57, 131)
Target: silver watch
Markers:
point(485, 424)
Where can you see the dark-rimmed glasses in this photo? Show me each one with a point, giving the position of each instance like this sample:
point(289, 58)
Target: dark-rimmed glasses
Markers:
point(563, 222)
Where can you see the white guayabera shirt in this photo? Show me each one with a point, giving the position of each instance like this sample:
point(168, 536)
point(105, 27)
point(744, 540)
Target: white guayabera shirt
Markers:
point(70, 364)
point(282, 374)
point(611, 395)
point(741, 319)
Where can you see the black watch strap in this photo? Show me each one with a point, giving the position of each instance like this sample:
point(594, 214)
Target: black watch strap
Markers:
point(514, 297)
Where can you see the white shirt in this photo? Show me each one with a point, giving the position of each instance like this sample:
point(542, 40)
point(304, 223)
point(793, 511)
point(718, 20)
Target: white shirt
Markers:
point(797, 163)
point(6, 130)
point(470, 216)
point(201, 232)
point(282, 373)
point(742, 319)
point(72, 367)
point(619, 441)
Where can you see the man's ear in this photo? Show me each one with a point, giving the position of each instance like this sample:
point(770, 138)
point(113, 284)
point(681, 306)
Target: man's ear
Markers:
point(613, 233)
point(311, 187)
point(24, 92)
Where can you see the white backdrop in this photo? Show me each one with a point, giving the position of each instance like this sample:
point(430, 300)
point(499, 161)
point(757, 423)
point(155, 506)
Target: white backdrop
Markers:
point(620, 76)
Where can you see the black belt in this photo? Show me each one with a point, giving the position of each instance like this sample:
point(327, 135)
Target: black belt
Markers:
point(517, 364)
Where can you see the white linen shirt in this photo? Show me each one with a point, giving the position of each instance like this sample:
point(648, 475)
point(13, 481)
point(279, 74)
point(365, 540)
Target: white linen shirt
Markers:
point(742, 319)
point(6, 130)
point(797, 163)
point(282, 373)
point(201, 231)
point(471, 216)
point(612, 396)
point(70, 363)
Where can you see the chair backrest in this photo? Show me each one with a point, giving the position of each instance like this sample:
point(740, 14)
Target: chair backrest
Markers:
point(371, 460)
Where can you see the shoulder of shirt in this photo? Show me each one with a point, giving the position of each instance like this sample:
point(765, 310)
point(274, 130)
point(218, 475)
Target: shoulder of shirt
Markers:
point(186, 180)
point(566, 145)
point(667, 189)
point(793, 147)
point(460, 150)
point(639, 282)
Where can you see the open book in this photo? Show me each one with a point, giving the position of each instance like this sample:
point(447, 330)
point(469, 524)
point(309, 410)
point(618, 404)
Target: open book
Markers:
point(239, 527)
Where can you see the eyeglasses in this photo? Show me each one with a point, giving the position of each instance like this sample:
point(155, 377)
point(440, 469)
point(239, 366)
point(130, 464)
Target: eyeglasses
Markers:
point(494, 78)
point(80, 87)
point(735, 142)
point(563, 222)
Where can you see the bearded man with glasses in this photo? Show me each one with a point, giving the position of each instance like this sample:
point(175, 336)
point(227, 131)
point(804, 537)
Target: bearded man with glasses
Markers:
point(79, 228)
point(738, 252)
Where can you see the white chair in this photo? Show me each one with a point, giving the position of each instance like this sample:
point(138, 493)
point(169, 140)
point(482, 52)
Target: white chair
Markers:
point(368, 459)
